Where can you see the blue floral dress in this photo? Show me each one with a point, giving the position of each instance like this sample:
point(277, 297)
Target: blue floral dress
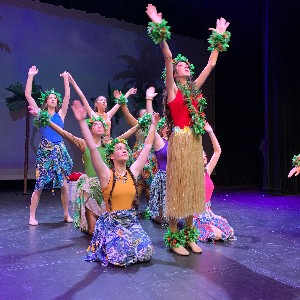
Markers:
point(53, 162)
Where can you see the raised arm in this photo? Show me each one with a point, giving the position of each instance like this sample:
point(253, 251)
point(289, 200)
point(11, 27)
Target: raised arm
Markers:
point(100, 167)
point(127, 134)
point(139, 164)
point(83, 99)
point(78, 142)
point(221, 27)
point(130, 119)
point(217, 149)
point(28, 89)
point(158, 142)
point(64, 108)
point(150, 94)
point(170, 84)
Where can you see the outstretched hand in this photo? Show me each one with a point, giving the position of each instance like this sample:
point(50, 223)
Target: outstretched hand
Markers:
point(79, 110)
point(33, 111)
point(295, 171)
point(130, 92)
point(117, 94)
point(65, 74)
point(150, 93)
point(207, 127)
point(153, 14)
point(221, 26)
point(33, 71)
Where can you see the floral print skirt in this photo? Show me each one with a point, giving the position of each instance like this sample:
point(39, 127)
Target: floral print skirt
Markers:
point(87, 195)
point(204, 221)
point(53, 164)
point(119, 239)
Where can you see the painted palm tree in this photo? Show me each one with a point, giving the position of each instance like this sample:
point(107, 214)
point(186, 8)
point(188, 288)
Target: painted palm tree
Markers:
point(17, 106)
point(142, 72)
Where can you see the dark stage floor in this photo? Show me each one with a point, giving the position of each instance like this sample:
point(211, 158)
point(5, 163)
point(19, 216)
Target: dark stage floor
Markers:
point(46, 262)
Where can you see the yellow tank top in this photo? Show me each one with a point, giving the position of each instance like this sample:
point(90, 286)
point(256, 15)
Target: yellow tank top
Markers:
point(123, 193)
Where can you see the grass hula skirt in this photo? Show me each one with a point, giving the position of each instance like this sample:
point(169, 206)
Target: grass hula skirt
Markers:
point(185, 174)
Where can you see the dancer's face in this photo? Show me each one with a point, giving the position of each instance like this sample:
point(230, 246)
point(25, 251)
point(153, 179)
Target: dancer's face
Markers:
point(51, 101)
point(120, 153)
point(182, 69)
point(101, 103)
point(97, 128)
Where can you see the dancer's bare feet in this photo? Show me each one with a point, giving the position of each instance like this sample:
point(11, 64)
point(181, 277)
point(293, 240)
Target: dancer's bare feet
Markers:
point(180, 251)
point(194, 247)
point(68, 219)
point(33, 221)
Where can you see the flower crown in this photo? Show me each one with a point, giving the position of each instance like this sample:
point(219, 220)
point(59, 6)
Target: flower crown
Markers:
point(44, 96)
point(91, 121)
point(176, 60)
point(110, 148)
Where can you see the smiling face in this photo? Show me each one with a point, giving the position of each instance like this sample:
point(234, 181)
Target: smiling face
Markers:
point(182, 70)
point(100, 104)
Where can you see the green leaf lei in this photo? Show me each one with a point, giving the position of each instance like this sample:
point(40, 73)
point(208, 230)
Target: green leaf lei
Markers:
point(219, 41)
point(191, 233)
point(159, 32)
point(197, 116)
point(91, 120)
point(174, 239)
point(145, 122)
point(110, 148)
point(296, 160)
point(161, 123)
point(44, 96)
point(122, 100)
point(42, 119)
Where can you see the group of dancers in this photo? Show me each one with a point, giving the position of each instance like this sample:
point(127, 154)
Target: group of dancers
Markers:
point(167, 159)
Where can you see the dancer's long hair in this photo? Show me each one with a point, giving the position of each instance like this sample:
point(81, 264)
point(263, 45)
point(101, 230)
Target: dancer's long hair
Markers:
point(166, 109)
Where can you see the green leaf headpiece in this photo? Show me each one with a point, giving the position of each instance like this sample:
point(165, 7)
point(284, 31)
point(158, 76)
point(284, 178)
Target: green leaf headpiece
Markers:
point(44, 96)
point(176, 60)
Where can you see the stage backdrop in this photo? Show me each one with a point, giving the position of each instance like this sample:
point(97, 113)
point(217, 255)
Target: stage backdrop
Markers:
point(100, 53)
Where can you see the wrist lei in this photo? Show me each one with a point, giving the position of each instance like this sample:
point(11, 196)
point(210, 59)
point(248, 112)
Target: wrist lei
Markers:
point(122, 100)
point(219, 41)
point(159, 32)
point(296, 160)
point(42, 119)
